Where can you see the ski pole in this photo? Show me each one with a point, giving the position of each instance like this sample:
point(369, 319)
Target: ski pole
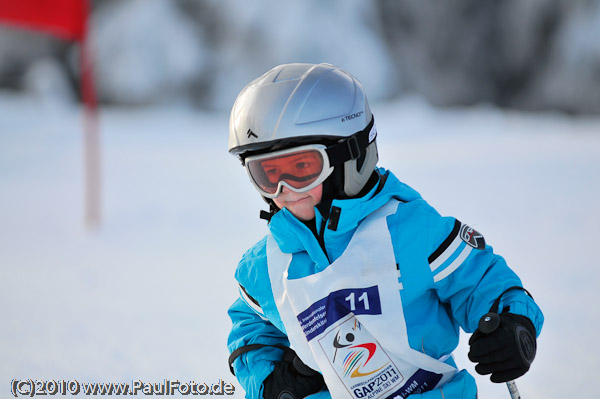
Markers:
point(487, 324)
point(512, 388)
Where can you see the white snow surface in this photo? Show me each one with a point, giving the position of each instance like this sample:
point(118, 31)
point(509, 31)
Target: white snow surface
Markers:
point(145, 295)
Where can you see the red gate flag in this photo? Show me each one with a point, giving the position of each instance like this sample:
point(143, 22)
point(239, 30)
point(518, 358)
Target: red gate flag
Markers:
point(67, 19)
point(63, 18)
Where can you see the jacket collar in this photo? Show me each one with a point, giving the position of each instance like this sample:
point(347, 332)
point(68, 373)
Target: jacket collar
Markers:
point(294, 236)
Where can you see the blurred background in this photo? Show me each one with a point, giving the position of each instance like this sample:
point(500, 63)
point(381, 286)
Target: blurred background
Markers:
point(534, 55)
point(490, 109)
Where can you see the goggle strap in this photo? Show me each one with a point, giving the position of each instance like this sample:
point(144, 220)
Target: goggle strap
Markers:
point(351, 147)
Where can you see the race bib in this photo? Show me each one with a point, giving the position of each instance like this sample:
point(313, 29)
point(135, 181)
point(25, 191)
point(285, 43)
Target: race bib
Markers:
point(357, 358)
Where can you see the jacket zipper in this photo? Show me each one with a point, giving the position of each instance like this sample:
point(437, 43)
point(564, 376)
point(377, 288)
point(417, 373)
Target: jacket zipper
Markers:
point(321, 239)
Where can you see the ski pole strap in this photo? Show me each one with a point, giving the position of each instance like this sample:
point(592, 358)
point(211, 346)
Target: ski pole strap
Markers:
point(496, 305)
point(288, 353)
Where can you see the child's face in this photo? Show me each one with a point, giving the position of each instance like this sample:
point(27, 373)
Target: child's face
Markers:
point(301, 205)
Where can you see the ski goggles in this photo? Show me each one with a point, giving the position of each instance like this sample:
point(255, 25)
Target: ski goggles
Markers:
point(299, 168)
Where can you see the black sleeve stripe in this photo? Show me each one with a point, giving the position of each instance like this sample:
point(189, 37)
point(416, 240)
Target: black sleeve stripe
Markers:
point(254, 301)
point(446, 242)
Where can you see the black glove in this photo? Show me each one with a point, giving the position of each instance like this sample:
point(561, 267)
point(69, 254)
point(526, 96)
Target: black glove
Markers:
point(292, 380)
point(506, 350)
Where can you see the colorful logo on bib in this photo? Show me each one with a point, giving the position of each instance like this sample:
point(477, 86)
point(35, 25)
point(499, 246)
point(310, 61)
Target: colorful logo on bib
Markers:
point(356, 362)
point(353, 363)
point(359, 361)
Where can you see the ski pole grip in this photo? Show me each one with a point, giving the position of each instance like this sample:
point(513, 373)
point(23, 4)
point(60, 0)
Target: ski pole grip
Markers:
point(489, 322)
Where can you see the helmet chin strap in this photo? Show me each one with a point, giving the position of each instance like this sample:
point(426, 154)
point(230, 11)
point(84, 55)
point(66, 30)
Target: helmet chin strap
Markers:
point(273, 209)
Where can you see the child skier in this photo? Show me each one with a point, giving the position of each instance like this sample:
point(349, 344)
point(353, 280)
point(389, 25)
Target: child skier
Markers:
point(360, 287)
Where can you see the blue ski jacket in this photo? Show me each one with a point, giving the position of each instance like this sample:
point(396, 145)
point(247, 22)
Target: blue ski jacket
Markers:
point(441, 290)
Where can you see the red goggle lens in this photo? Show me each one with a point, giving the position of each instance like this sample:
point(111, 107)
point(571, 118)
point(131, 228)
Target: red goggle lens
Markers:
point(298, 169)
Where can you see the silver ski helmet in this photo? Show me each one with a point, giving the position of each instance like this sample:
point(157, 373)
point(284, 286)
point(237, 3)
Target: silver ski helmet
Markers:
point(297, 104)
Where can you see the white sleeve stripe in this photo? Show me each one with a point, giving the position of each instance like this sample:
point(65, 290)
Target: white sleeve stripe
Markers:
point(446, 254)
point(249, 302)
point(454, 265)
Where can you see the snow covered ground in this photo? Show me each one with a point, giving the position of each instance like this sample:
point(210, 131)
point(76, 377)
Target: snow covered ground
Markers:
point(144, 297)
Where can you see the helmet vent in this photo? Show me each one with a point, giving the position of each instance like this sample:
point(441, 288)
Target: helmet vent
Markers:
point(291, 72)
point(332, 96)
